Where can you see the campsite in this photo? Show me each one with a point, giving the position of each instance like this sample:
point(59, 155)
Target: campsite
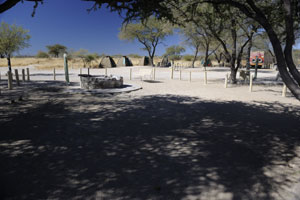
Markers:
point(149, 100)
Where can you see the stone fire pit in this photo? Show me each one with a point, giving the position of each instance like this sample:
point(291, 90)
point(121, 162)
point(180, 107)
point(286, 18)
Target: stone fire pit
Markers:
point(100, 81)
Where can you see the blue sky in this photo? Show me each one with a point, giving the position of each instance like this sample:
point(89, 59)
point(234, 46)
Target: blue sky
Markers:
point(68, 22)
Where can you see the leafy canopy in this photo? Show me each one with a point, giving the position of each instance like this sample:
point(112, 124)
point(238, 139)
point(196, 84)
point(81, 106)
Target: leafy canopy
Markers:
point(56, 49)
point(13, 38)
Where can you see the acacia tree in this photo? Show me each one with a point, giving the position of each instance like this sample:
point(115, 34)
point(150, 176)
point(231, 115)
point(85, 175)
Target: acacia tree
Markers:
point(269, 14)
point(198, 37)
point(174, 51)
point(150, 33)
point(56, 49)
point(12, 39)
point(7, 4)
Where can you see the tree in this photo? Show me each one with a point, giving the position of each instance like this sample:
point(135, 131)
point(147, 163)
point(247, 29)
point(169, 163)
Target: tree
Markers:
point(12, 39)
point(56, 49)
point(198, 37)
point(173, 52)
point(284, 22)
point(11, 3)
point(42, 54)
point(150, 33)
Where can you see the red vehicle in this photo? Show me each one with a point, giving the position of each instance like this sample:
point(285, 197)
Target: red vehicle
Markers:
point(259, 55)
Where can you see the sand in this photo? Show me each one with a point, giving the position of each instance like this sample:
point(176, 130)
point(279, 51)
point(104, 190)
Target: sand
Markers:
point(174, 139)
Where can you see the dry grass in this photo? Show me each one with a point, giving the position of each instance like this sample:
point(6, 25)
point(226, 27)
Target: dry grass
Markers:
point(50, 63)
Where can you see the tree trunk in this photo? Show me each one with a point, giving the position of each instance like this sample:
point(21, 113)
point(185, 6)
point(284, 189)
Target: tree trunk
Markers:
point(9, 63)
point(195, 57)
point(206, 56)
point(290, 40)
point(248, 54)
point(281, 62)
point(233, 55)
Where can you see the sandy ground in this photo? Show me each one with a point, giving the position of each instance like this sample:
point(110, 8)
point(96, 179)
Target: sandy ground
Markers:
point(174, 139)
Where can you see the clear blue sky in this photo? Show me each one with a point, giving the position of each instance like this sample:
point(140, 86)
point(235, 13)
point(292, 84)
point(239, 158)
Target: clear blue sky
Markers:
point(68, 22)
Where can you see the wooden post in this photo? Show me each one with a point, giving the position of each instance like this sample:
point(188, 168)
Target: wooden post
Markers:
point(17, 77)
point(205, 78)
point(284, 90)
point(154, 73)
point(105, 71)
point(190, 76)
point(9, 80)
point(54, 74)
point(251, 82)
point(28, 75)
point(80, 70)
point(180, 74)
point(172, 72)
point(88, 71)
point(23, 75)
point(226, 81)
point(130, 73)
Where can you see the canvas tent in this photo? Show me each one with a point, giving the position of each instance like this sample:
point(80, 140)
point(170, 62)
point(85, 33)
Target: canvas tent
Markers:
point(107, 62)
point(165, 62)
point(145, 61)
point(124, 61)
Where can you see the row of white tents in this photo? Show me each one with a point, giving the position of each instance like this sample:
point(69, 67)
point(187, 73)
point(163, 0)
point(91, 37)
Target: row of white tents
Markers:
point(108, 62)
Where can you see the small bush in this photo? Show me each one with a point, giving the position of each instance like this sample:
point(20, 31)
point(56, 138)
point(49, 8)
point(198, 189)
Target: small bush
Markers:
point(188, 57)
point(42, 54)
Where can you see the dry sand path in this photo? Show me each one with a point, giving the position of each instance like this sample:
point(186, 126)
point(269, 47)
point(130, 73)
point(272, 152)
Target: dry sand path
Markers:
point(171, 140)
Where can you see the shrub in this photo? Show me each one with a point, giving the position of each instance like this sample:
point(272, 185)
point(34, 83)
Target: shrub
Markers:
point(42, 54)
point(188, 57)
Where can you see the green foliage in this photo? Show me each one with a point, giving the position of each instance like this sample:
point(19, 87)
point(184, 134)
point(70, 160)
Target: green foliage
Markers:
point(188, 57)
point(173, 52)
point(56, 50)
point(13, 38)
point(42, 54)
point(149, 34)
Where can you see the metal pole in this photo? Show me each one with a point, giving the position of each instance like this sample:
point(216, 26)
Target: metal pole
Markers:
point(256, 64)
point(66, 68)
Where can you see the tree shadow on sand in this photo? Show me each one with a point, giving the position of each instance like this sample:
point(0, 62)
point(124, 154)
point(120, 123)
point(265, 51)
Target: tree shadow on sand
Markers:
point(154, 147)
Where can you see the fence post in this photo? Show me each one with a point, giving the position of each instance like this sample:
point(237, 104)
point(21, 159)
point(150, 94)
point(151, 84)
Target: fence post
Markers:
point(130, 74)
point(28, 75)
point(190, 76)
point(205, 78)
point(284, 90)
point(88, 71)
point(226, 81)
point(105, 71)
point(9, 80)
point(180, 74)
point(17, 77)
point(251, 82)
point(154, 73)
point(23, 75)
point(54, 74)
point(172, 72)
